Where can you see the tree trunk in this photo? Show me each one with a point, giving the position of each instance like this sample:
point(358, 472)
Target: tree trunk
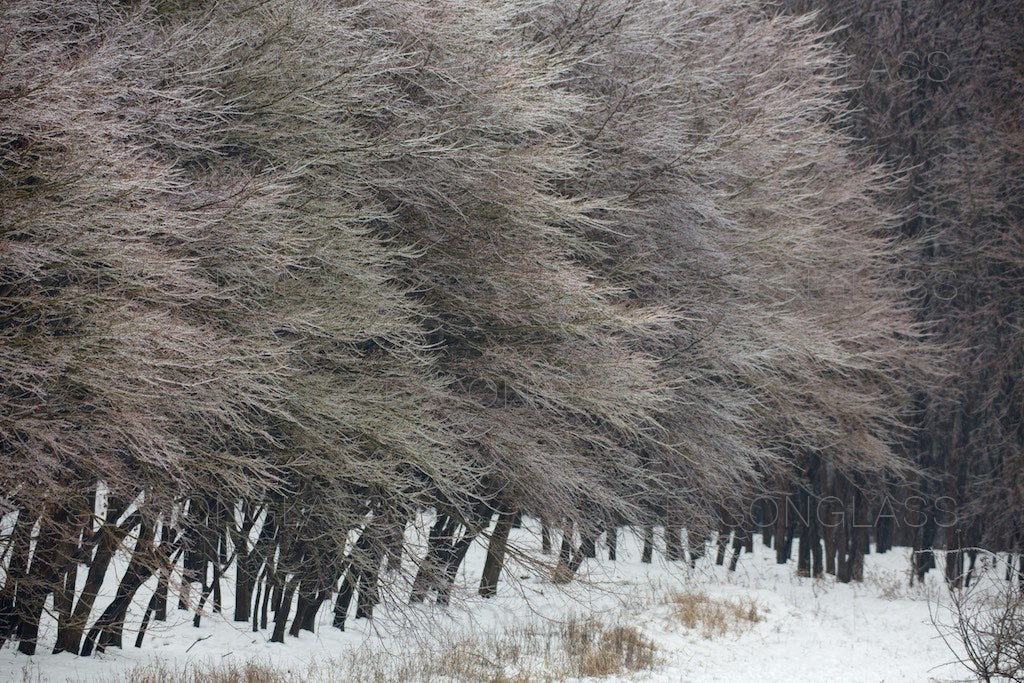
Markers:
point(429, 571)
point(108, 628)
point(721, 544)
point(696, 546)
point(673, 543)
point(17, 568)
point(954, 557)
point(110, 538)
point(496, 555)
point(455, 558)
point(782, 538)
point(859, 545)
point(350, 578)
point(367, 583)
point(45, 575)
point(737, 547)
point(281, 616)
point(562, 571)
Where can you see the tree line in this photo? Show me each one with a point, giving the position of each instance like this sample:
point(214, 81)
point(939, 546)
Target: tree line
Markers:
point(280, 277)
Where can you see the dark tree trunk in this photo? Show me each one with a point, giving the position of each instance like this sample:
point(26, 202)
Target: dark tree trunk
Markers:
point(673, 543)
point(767, 524)
point(587, 540)
point(648, 551)
point(108, 628)
point(427, 576)
point(826, 517)
point(395, 543)
point(367, 583)
point(924, 553)
point(817, 570)
point(973, 557)
point(45, 575)
point(351, 577)
point(696, 546)
point(455, 558)
point(110, 538)
point(588, 545)
point(954, 557)
point(64, 597)
point(803, 554)
point(17, 568)
point(565, 550)
point(721, 544)
point(562, 572)
point(245, 566)
point(222, 558)
point(738, 542)
point(196, 553)
point(843, 537)
point(303, 608)
point(153, 605)
point(783, 542)
point(802, 529)
point(859, 547)
point(281, 615)
point(265, 605)
point(163, 582)
point(496, 555)
point(883, 535)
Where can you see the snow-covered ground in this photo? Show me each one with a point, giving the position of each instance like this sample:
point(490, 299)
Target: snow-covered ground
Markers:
point(812, 630)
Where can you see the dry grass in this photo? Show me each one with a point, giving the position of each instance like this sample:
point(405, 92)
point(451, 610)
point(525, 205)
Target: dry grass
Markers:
point(597, 649)
point(550, 652)
point(896, 585)
point(890, 585)
point(714, 617)
point(230, 672)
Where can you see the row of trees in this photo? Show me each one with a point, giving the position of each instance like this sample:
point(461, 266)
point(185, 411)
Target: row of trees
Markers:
point(278, 277)
point(937, 90)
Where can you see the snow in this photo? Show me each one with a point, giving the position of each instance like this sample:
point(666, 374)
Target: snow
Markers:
point(815, 630)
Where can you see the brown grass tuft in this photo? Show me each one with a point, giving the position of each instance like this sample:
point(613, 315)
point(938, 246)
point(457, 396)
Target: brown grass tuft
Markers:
point(714, 616)
point(599, 649)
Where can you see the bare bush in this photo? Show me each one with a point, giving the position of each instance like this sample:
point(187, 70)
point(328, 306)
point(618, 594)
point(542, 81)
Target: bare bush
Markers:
point(985, 629)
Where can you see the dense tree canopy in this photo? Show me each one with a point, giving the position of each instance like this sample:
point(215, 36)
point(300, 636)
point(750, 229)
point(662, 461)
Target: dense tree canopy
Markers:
point(278, 278)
